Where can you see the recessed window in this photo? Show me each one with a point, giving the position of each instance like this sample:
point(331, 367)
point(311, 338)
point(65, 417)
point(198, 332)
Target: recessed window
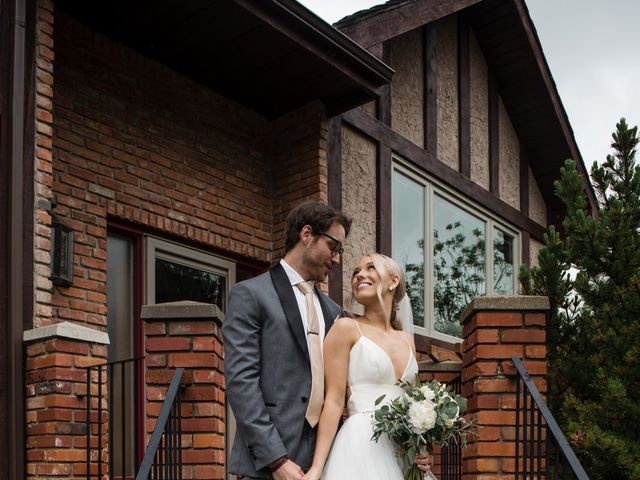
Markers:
point(176, 272)
point(451, 250)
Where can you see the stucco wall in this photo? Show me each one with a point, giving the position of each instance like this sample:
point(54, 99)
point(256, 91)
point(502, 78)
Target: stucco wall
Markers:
point(358, 201)
point(509, 159)
point(369, 107)
point(407, 91)
point(537, 207)
point(447, 87)
point(479, 115)
point(534, 249)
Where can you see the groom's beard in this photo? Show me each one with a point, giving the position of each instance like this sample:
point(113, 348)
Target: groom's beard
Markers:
point(317, 265)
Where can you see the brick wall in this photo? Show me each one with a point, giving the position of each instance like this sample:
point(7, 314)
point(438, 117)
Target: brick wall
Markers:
point(134, 140)
point(494, 330)
point(300, 164)
point(43, 178)
point(188, 335)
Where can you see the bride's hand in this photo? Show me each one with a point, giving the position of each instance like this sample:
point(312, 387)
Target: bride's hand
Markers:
point(424, 462)
point(314, 473)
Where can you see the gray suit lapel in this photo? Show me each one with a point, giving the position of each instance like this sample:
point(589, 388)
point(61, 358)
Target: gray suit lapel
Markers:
point(289, 305)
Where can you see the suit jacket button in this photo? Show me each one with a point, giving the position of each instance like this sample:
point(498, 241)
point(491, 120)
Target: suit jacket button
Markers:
point(304, 399)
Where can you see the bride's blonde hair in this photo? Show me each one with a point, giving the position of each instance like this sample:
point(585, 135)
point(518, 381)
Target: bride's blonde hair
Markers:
point(388, 266)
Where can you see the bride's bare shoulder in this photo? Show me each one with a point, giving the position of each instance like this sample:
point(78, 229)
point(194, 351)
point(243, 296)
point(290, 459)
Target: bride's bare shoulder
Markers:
point(345, 326)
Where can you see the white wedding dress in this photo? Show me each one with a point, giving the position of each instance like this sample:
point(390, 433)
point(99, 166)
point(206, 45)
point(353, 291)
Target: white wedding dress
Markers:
point(354, 455)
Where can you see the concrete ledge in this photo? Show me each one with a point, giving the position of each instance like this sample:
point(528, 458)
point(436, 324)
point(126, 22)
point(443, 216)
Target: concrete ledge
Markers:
point(185, 309)
point(67, 330)
point(505, 302)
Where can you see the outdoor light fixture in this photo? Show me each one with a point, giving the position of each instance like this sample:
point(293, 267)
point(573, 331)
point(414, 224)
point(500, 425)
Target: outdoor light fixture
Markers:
point(61, 253)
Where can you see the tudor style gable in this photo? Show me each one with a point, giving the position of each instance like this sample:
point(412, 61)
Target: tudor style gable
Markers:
point(465, 143)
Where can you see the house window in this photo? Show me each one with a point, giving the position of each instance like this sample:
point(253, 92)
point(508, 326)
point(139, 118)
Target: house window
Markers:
point(176, 272)
point(452, 252)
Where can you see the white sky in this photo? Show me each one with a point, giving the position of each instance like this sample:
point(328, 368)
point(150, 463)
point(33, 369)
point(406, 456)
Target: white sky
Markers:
point(592, 50)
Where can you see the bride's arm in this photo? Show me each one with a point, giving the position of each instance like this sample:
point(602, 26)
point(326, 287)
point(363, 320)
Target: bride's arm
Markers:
point(337, 346)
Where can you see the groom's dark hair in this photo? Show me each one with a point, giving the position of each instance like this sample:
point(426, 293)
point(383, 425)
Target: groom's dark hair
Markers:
point(318, 215)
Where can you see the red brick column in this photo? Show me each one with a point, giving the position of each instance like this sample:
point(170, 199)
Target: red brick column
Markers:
point(494, 330)
point(57, 357)
point(188, 335)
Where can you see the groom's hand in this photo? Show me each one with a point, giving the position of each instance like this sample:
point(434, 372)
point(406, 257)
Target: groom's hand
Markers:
point(289, 470)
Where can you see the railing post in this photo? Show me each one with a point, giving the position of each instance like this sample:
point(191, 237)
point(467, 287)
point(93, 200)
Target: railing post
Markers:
point(494, 330)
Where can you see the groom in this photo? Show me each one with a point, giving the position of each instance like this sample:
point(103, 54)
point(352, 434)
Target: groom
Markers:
point(273, 333)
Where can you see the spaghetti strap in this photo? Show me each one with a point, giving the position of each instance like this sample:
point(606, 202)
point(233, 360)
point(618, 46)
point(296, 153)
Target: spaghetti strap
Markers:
point(409, 345)
point(357, 326)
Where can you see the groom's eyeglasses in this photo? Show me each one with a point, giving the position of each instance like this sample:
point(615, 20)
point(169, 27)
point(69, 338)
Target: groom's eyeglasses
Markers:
point(337, 245)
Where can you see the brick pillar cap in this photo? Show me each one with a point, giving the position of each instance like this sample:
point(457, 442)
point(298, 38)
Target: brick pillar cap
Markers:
point(67, 330)
point(505, 302)
point(183, 310)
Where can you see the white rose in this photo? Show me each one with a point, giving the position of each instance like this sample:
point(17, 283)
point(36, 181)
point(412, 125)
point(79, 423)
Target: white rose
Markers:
point(422, 416)
point(427, 392)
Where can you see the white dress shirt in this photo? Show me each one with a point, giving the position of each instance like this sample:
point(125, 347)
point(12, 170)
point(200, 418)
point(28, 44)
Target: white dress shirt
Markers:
point(295, 278)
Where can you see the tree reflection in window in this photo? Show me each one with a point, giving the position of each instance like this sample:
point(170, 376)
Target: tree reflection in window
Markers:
point(175, 282)
point(459, 273)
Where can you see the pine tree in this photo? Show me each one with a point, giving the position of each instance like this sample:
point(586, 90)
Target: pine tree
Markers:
point(594, 329)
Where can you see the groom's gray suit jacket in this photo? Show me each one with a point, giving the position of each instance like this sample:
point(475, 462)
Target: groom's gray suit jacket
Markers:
point(267, 373)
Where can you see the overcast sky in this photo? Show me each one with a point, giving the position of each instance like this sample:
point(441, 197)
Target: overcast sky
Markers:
point(592, 50)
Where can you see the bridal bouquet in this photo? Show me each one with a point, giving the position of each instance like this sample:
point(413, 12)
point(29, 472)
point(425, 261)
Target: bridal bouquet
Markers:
point(426, 414)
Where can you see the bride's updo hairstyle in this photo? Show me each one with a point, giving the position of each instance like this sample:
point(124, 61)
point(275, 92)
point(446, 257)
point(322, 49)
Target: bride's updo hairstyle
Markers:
point(388, 266)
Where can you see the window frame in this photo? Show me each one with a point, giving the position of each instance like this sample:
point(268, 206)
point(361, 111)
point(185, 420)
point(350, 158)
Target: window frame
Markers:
point(432, 187)
point(187, 256)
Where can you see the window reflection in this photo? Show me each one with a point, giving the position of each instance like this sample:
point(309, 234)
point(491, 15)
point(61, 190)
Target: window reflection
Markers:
point(408, 239)
point(459, 270)
point(502, 262)
point(175, 282)
point(451, 252)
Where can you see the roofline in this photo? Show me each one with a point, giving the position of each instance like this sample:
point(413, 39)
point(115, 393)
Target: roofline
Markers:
point(328, 43)
point(556, 101)
point(369, 30)
point(371, 27)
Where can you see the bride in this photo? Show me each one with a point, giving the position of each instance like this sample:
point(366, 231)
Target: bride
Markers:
point(363, 360)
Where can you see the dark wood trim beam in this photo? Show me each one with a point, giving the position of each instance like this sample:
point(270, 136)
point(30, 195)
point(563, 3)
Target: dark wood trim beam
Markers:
point(383, 199)
point(464, 97)
point(383, 105)
point(15, 126)
point(387, 24)
point(494, 135)
point(430, 90)
point(5, 208)
point(334, 193)
point(524, 180)
point(427, 163)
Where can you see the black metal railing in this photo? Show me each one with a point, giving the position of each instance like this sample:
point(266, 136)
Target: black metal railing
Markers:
point(111, 419)
point(542, 451)
point(451, 455)
point(163, 456)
